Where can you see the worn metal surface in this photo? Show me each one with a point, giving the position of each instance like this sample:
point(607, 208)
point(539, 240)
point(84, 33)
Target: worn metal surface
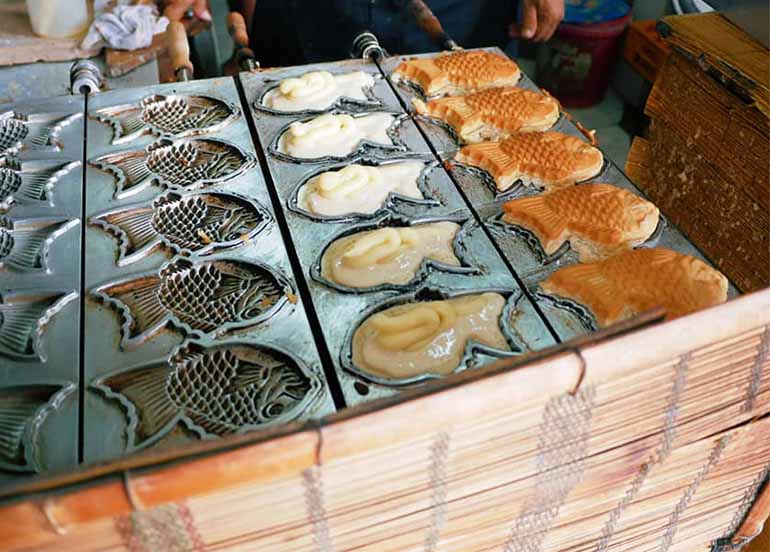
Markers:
point(40, 203)
point(340, 311)
point(184, 232)
point(519, 247)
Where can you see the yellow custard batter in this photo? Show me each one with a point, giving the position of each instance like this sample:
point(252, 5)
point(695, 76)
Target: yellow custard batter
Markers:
point(336, 135)
point(388, 255)
point(359, 188)
point(317, 90)
point(427, 337)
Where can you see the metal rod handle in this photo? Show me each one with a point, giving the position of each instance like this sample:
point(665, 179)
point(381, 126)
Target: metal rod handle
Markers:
point(176, 38)
point(429, 23)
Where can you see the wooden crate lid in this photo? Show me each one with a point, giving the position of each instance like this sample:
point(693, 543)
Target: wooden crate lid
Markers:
point(724, 50)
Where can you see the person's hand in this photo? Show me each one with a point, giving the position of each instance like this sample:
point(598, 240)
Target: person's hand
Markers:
point(539, 19)
point(175, 9)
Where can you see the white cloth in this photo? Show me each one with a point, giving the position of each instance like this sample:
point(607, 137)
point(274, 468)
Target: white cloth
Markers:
point(125, 28)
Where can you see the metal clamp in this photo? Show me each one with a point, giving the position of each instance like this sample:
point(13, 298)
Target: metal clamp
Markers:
point(85, 77)
point(367, 47)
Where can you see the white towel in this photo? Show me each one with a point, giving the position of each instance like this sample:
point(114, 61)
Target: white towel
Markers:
point(125, 28)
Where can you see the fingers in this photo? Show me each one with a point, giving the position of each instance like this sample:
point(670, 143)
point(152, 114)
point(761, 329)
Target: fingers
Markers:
point(176, 9)
point(549, 15)
point(529, 20)
point(201, 10)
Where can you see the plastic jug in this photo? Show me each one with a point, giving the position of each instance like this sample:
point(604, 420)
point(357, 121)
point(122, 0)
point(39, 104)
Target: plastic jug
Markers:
point(58, 18)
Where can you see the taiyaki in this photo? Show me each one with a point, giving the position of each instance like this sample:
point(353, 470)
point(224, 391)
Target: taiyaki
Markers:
point(25, 184)
point(599, 220)
point(23, 319)
point(19, 132)
point(217, 391)
point(175, 115)
point(639, 280)
point(459, 73)
point(198, 223)
point(182, 164)
point(427, 337)
point(24, 245)
point(388, 255)
point(317, 90)
point(549, 160)
point(493, 114)
point(23, 409)
point(203, 296)
point(359, 189)
point(335, 135)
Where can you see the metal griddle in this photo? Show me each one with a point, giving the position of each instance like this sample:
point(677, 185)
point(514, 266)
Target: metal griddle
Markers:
point(82, 341)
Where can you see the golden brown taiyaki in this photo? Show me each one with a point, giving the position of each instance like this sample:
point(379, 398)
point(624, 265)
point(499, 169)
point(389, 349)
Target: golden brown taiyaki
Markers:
point(549, 160)
point(598, 220)
point(637, 281)
point(427, 337)
point(493, 114)
point(459, 73)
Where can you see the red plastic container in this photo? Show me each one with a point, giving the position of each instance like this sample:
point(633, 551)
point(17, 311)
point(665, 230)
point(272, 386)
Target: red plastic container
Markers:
point(575, 64)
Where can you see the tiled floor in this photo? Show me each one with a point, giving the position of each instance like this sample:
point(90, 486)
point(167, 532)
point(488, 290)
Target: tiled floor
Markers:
point(604, 118)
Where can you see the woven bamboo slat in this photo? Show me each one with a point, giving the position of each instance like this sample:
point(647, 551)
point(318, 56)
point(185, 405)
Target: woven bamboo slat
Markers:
point(658, 439)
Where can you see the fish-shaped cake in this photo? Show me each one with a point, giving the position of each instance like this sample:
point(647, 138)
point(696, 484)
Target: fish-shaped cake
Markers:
point(23, 320)
point(181, 164)
point(459, 72)
point(548, 160)
point(359, 189)
point(388, 255)
point(198, 223)
point(21, 183)
point(637, 281)
point(428, 337)
point(317, 90)
point(202, 296)
point(20, 132)
point(218, 391)
point(23, 410)
point(493, 114)
point(598, 220)
point(24, 245)
point(175, 115)
point(335, 135)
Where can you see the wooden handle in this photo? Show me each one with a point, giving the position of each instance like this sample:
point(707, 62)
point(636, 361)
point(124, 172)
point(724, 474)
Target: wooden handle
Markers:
point(237, 28)
point(176, 37)
point(429, 23)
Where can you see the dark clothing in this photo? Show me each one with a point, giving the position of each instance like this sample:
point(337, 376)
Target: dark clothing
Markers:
point(294, 32)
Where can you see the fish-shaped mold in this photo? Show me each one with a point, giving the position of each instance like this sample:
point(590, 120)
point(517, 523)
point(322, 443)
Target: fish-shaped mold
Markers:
point(335, 136)
point(413, 340)
point(19, 132)
point(175, 115)
point(24, 245)
point(207, 297)
point(639, 280)
point(598, 220)
point(548, 160)
point(217, 391)
point(198, 223)
point(177, 164)
point(459, 72)
point(23, 410)
point(23, 321)
point(30, 182)
point(389, 256)
point(317, 91)
point(493, 114)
